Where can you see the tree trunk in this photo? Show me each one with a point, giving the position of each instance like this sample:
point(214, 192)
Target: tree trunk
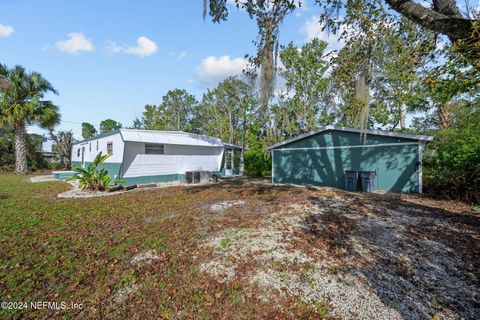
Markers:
point(444, 114)
point(402, 116)
point(230, 116)
point(20, 141)
point(242, 164)
point(66, 161)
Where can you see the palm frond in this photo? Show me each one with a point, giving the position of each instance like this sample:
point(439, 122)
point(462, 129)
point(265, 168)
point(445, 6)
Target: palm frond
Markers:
point(22, 101)
point(93, 177)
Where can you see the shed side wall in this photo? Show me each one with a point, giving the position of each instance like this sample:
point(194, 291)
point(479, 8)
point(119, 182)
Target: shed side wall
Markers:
point(394, 165)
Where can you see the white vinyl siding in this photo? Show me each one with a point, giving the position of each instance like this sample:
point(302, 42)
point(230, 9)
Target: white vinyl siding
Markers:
point(205, 155)
point(101, 146)
point(176, 159)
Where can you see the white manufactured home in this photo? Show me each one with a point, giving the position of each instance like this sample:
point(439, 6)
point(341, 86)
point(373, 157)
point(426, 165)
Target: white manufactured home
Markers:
point(148, 156)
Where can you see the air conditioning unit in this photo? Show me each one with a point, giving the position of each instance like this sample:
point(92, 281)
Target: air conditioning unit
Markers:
point(194, 177)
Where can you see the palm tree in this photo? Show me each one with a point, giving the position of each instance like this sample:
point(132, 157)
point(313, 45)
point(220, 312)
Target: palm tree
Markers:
point(22, 104)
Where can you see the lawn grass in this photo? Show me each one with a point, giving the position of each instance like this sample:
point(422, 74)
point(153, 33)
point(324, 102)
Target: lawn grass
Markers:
point(167, 254)
point(79, 251)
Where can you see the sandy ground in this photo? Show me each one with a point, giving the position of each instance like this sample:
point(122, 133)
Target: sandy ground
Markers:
point(364, 256)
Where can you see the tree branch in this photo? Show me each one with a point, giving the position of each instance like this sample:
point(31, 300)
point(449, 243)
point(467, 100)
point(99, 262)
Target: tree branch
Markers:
point(452, 25)
point(447, 7)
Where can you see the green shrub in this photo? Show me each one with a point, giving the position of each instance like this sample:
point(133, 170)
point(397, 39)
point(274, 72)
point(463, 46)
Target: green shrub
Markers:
point(452, 161)
point(93, 178)
point(35, 160)
point(257, 163)
point(55, 166)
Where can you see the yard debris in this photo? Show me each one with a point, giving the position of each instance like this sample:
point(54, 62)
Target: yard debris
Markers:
point(115, 188)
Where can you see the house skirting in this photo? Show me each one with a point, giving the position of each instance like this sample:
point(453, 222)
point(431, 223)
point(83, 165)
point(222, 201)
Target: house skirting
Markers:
point(153, 179)
point(114, 169)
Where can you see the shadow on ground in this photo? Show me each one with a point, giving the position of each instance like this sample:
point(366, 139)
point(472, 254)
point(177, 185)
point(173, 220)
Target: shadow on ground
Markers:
point(418, 259)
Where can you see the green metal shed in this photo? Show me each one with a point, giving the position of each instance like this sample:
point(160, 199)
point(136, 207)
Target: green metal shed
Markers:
point(321, 158)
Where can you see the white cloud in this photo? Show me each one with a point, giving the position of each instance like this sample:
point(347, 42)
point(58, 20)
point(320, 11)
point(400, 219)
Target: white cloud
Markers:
point(75, 43)
point(5, 31)
point(312, 29)
point(215, 69)
point(145, 47)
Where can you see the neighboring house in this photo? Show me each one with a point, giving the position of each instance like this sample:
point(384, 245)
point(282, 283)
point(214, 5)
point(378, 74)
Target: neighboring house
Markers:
point(52, 157)
point(321, 158)
point(148, 156)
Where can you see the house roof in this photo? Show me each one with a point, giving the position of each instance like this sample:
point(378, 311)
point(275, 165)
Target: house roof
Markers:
point(169, 137)
point(165, 137)
point(98, 136)
point(367, 131)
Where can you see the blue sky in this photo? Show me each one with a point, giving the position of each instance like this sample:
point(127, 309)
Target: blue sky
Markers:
point(109, 58)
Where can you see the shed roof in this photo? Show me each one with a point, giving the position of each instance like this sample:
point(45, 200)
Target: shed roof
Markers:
point(368, 131)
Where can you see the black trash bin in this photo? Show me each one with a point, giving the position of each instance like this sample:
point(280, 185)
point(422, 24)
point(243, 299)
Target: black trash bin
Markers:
point(367, 181)
point(351, 180)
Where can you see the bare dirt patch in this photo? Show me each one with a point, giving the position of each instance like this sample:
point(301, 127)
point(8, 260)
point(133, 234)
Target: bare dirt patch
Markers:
point(144, 257)
point(365, 256)
point(222, 206)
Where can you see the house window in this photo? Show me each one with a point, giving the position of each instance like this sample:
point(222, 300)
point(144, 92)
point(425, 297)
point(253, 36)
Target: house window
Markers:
point(89, 146)
point(97, 145)
point(154, 148)
point(109, 147)
point(78, 152)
